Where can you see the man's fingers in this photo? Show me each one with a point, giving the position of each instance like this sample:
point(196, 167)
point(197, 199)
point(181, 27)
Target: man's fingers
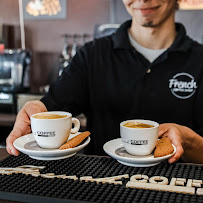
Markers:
point(16, 133)
point(179, 150)
point(22, 121)
point(9, 144)
point(173, 134)
point(177, 155)
point(22, 124)
point(34, 107)
point(162, 130)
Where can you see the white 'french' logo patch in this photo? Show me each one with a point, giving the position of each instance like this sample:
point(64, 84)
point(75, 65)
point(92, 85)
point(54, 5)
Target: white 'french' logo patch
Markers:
point(183, 85)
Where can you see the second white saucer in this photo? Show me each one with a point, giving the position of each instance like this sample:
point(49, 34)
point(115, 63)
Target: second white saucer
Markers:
point(116, 150)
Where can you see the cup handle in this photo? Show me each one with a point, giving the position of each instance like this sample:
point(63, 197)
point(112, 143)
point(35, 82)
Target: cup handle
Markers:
point(76, 128)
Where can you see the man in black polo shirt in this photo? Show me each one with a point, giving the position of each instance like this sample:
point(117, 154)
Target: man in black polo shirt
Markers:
point(148, 69)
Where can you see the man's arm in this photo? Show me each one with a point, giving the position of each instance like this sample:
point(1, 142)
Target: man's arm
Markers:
point(189, 145)
point(70, 91)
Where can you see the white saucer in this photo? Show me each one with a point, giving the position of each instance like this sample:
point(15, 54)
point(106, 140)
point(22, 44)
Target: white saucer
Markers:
point(27, 145)
point(116, 150)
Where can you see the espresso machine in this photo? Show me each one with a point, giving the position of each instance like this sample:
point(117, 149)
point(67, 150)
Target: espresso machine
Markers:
point(14, 64)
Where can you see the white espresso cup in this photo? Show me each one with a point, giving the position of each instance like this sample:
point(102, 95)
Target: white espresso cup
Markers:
point(139, 141)
point(53, 132)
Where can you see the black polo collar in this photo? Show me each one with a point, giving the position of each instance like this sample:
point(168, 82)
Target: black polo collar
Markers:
point(120, 37)
point(121, 40)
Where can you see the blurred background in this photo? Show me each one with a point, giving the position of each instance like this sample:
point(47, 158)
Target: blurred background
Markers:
point(38, 38)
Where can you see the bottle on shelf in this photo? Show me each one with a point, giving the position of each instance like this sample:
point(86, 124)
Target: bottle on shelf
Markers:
point(64, 58)
point(74, 45)
point(69, 50)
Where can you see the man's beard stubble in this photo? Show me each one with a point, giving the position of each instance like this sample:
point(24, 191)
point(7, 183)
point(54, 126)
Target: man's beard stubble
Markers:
point(149, 24)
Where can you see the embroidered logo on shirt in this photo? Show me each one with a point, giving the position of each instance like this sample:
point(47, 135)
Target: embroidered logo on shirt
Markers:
point(182, 85)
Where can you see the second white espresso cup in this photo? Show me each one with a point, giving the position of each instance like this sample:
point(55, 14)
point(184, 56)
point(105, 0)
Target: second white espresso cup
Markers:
point(52, 133)
point(139, 141)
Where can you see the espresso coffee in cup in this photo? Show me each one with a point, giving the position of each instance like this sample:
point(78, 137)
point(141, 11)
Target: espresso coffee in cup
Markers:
point(49, 116)
point(139, 137)
point(52, 129)
point(136, 124)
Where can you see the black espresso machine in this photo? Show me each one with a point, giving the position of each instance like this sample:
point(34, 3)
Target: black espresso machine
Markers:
point(13, 66)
